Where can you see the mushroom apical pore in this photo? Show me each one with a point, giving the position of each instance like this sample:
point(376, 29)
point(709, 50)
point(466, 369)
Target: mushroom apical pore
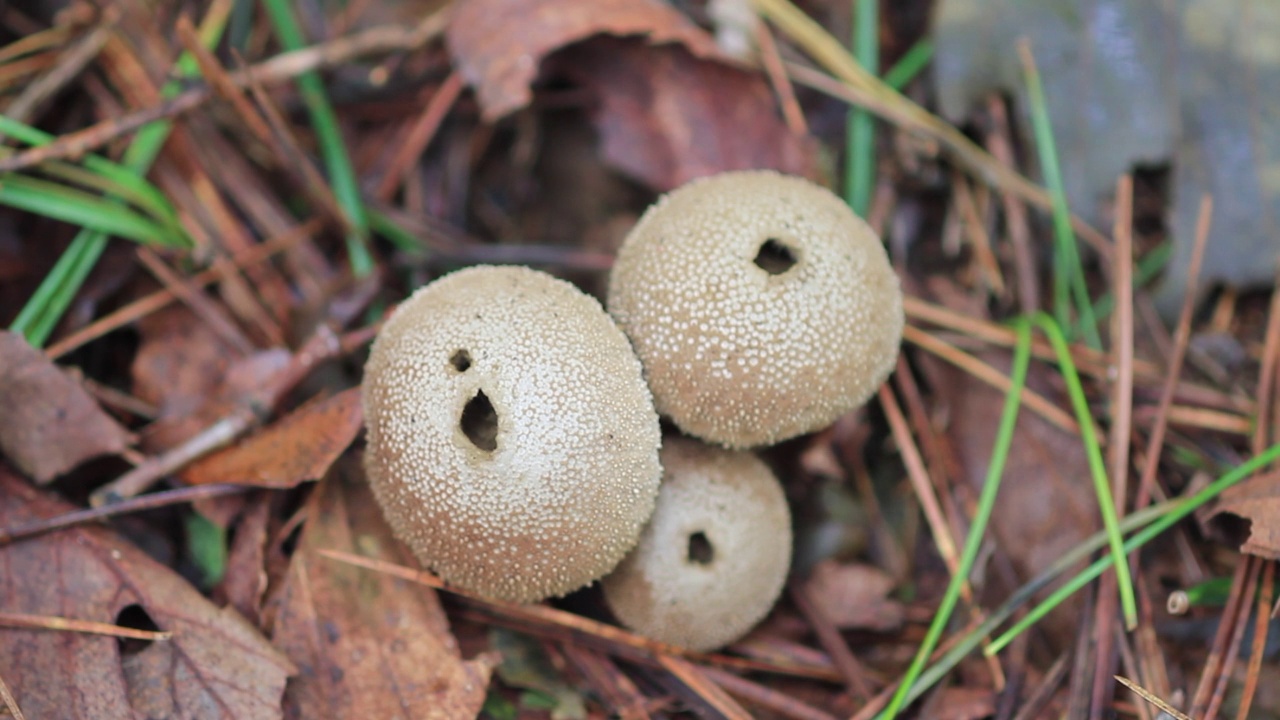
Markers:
point(713, 558)
point(761, 307)
point(512, 443)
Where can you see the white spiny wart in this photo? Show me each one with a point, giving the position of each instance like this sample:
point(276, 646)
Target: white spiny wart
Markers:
point(761, 307)
point(512, 442)
point(715, 555)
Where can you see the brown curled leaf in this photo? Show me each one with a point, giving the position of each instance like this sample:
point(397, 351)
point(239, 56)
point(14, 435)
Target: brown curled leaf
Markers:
point(48, 423)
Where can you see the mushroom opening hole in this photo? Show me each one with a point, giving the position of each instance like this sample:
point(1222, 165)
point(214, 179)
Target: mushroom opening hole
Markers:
point(700, 549)
point(136, 617)
point(775, 257)
point(461, 360)
point(480, 422)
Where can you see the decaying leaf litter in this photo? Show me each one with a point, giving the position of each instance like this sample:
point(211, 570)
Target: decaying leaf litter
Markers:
point(269, 199)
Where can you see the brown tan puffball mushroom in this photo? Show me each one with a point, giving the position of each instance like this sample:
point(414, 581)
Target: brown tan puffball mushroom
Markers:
point(512, 443)
point(715, 554)
point(761, 307)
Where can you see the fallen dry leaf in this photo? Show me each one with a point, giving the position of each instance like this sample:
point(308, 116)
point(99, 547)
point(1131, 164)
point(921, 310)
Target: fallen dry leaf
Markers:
point(1257, 500)
point(244, 584)
point(178, 362)
point(667, 117)
point(216, 665)
point(193, 377)
point(367, 645)
point(48, 423)
point(498, 45)
point(963, 703)
point(299, 447)
point(854, 596)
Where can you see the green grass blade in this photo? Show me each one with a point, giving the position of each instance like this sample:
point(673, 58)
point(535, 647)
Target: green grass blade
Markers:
point(115, 178)
point(80, 208)
point(986, 503)
point(1097, 467)
point(961, 647)
point(40, 315)
point(1166, 521)
point(909, 65)
point(860, 160)
point(206, 548)
point(23, 132)
point(404, 240)
point(1068, 272)
point(1211, 593)
point(56, 292)
point(341, 174)
point(125, 188)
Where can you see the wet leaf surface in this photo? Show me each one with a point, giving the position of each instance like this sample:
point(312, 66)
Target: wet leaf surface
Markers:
point(297, 448)
point(855, 596)
point(193, 377)
point(667, 117)
point(1257, 500)
point(216, 665)
point(48, 423)
point(367, 645)
point(245, 583)
point(499, 44)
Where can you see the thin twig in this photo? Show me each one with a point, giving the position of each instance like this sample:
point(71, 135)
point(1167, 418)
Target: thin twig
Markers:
point(1000, 145)
point(831, 640)
point(1130, 665)
point(322, 346)
point(124, 507)
point(70, 64)
point(1266, 431)
point(771, 61)
point(612, 684)
point(694, 679)
point(61, 624)
point(1212, 669)
point(1151, 698)
point(537, 618)
point(1239, 624)
point(975, 230)
point(909, 117)
point(1182, 337)
point(987, 374)
point(286, 66)
point(1087, 360)
point(144, 306)
point(1121, 424)
point(10, 702)
point(757, 694)
point(1045, 690)
point(291, 155)
point(420, 135)
point(1261, 627)
point(919, 477)
point(200, 304)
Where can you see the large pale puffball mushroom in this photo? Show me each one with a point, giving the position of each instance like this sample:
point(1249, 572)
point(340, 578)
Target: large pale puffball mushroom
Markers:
point(713, 558)
point(761, 307)
point(512, 443)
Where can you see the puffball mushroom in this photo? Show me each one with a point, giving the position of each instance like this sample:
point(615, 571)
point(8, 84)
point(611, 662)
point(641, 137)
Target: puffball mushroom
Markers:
point(761, 307)
point(715, 554)
point(512, 443)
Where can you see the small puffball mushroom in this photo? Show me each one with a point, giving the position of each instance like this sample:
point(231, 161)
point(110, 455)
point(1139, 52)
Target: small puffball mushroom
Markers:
point(713, 558)
point(761, 307)
point(512, 443)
